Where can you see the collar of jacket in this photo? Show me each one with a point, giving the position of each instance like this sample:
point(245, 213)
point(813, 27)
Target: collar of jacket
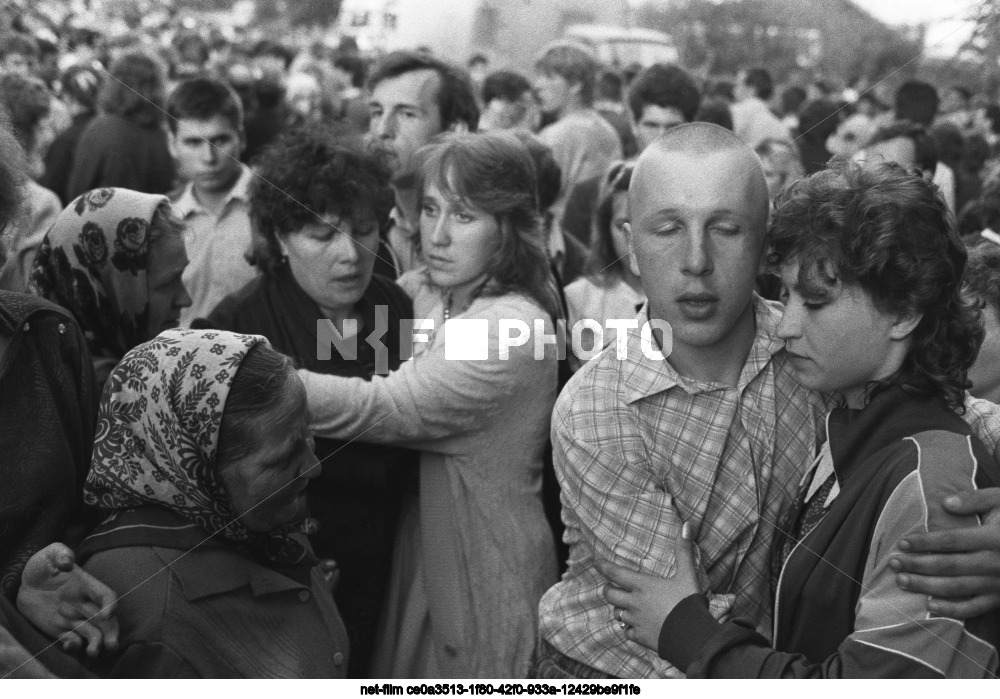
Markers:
point(890, 416)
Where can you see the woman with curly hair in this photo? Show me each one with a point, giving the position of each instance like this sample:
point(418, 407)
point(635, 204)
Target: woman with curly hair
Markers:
point(315, 210)
point(126, 145)
point(475, 554)
point(114, 259)
point(871, 267)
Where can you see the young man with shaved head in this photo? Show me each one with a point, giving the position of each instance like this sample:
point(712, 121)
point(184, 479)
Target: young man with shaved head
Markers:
point(717, 434)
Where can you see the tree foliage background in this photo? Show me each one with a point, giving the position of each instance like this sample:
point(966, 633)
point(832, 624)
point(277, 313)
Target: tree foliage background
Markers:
point(834, 37)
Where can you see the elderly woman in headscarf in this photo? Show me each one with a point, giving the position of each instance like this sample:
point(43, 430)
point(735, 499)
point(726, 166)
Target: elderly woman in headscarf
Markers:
point(201, 461)
point(114, 259)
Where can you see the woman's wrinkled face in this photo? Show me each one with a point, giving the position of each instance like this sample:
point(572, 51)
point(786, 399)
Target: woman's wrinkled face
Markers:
point(266, 489)
point(167, 295)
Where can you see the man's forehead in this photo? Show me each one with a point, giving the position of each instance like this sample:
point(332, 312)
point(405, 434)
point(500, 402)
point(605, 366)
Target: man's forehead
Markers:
point(204, 128)
point(413, 87)
point(688, 173)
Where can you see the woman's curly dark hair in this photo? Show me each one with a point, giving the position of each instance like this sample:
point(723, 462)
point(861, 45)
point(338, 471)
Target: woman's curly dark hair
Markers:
point(494, 172)
point(311, 172)
point(889, 231)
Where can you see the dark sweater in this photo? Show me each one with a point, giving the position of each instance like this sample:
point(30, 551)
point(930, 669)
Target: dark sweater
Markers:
point(47, 417)
point(59, 159)
point(116, 152)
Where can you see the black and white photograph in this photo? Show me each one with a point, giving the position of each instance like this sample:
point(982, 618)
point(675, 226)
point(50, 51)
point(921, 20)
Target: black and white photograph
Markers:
point(475, 347)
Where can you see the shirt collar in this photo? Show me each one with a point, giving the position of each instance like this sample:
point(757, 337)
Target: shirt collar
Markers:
point(644, 377)
point(187, 204)
point(893, 414)
point(220, 570)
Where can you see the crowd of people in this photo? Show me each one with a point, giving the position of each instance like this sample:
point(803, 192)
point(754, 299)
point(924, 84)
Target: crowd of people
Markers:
point(752, 432)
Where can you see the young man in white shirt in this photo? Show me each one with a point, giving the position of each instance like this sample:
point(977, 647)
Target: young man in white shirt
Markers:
point(206, 140)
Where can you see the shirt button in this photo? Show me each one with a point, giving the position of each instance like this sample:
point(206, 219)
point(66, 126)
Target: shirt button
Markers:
point(338, 658)
point(62, 328)
point(304, 596)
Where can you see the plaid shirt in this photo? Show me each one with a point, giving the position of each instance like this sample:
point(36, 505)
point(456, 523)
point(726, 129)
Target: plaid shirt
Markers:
point(639, 449)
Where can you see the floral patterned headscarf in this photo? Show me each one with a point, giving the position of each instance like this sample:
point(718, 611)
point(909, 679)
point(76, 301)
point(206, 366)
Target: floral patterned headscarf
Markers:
point(94, 263)
point(158, 435)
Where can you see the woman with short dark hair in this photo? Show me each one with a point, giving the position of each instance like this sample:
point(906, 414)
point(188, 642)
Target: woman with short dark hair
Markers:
point(474, 557)
point(871, 267)
point(316, 209)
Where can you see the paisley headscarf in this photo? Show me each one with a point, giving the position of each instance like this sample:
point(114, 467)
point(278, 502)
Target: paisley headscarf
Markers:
point(158, 435)
point(94, 262)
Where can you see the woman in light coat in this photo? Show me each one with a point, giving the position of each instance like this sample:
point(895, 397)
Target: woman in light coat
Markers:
point(475, 554)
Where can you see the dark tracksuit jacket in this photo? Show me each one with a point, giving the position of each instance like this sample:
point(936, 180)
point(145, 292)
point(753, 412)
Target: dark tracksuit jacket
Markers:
point(838, 611)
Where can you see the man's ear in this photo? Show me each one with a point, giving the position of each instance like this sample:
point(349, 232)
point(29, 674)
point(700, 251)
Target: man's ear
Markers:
point(905, 325)
point(632, 263)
